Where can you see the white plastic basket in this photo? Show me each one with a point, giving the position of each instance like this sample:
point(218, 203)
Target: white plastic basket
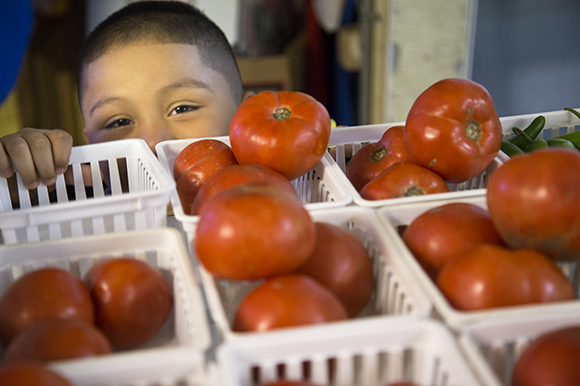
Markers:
point(355, 137)
point(557, 123)
point(175, 352)
point(493, 347)
point(319, 188)
point(373, 352)
point(402, 215)
point(396, 291)
point(140, 203)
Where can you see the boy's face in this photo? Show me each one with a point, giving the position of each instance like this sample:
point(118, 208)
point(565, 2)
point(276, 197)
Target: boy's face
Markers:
point(155, 92)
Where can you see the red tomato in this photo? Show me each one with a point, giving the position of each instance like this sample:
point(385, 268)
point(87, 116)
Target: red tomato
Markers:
point(534, 202)
point(44, 293)
point(343, 265)
point(367, 163)
point(56, 339)
point(235, 175)
point(448, 232)
point(30, 374)
point(287, 131)
point(197, 162)
point(253, 231)
point(551, 359)
point(453, 129)
point(403, 179)
point(287, 301)
point(490, 276)
point(132, 300)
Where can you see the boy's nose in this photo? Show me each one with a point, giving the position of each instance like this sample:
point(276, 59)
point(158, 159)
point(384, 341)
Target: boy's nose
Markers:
point(155, 134)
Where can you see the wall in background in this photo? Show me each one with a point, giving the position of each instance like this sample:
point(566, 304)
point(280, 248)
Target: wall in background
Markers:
point(527, 54)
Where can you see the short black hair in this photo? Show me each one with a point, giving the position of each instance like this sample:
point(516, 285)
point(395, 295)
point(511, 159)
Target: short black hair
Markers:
point(164, 22)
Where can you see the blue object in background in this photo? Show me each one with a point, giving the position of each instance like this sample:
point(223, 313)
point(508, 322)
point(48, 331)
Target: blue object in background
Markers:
point(16, 19)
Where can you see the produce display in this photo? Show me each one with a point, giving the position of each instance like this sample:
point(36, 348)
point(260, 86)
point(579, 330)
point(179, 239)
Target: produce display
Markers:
point(30, 373)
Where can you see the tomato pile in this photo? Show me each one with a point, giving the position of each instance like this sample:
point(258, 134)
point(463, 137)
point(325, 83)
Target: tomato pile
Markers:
point(50, 314)
point(452, 133)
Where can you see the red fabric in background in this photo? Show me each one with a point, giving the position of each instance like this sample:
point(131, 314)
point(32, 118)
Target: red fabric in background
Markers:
point(317, 60)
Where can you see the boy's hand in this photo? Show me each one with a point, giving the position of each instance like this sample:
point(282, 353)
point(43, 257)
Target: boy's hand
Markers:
point(37, 154)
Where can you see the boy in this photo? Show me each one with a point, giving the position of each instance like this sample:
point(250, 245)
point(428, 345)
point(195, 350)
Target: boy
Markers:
point(156, 70)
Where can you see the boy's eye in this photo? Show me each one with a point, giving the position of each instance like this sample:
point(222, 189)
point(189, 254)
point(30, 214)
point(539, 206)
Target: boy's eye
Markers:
point(119, 123)
point(183, 109)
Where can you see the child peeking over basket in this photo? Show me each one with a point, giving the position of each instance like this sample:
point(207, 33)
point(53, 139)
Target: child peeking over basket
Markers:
point(156, 70)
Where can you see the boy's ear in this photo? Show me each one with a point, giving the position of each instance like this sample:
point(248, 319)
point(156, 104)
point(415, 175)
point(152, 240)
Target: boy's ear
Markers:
point(247, 94)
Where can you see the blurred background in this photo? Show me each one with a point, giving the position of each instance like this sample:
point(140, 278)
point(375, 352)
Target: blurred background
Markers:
point(365, 60)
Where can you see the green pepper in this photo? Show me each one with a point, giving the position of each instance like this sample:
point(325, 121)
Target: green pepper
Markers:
point(532, 131)
point(510, 149)
point(560, 142)
point(538, 144)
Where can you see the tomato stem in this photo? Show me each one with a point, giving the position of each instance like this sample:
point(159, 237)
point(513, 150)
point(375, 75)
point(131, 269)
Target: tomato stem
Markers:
point(282, 113)
point(414, 191)
point(473, 130)
point(379, 154)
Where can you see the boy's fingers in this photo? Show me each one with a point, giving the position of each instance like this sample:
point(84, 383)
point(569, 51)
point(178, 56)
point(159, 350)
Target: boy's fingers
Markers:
point(41, 150)
point(18, 150)
point(5, 165)
point(61, 142)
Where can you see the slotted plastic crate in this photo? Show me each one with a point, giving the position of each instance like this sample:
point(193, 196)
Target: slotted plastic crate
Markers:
point(557, 123)
point(347, 140)
point(396, 291)
point(176, 352)
point(371, 352)
point(493, 347)
point(319, 188)
point(395, 217)
point(130, 192)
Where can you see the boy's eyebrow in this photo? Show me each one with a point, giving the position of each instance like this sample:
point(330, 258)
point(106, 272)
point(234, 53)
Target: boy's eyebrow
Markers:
point(185, 83)
point(102, 102)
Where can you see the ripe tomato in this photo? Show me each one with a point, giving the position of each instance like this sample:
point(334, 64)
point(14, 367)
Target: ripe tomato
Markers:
point(448, 232)
point(343, 265)
point(287, 131)
point(40, 294)
point(287, 301)
point(533, 202)
point(367, 163)
point(197, 162)
point(253, 231)
point(56, 339)
point(453, 129)
point(30, 374)
point(551, 359)
point(132, 300)
point(403, 179)
point(491, 276)
point(235, 175)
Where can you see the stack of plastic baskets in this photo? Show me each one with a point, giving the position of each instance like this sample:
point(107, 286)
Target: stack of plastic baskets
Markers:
point(171, 357)
point(130, 191)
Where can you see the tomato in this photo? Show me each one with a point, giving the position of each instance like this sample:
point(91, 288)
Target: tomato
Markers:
point(453, 129)
point(367, 163)
point(287, 301)
point(287, 131)
point(491, 276)
point(132, 300)
point(40, 294)
point(57, 339)
point(253, 231)
point(403, 179)
point(30, 374)
point(551, 359)
point(236, 175)
point(342, 264)
point(197, 162)
point(447, 232)
point(534, 201)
